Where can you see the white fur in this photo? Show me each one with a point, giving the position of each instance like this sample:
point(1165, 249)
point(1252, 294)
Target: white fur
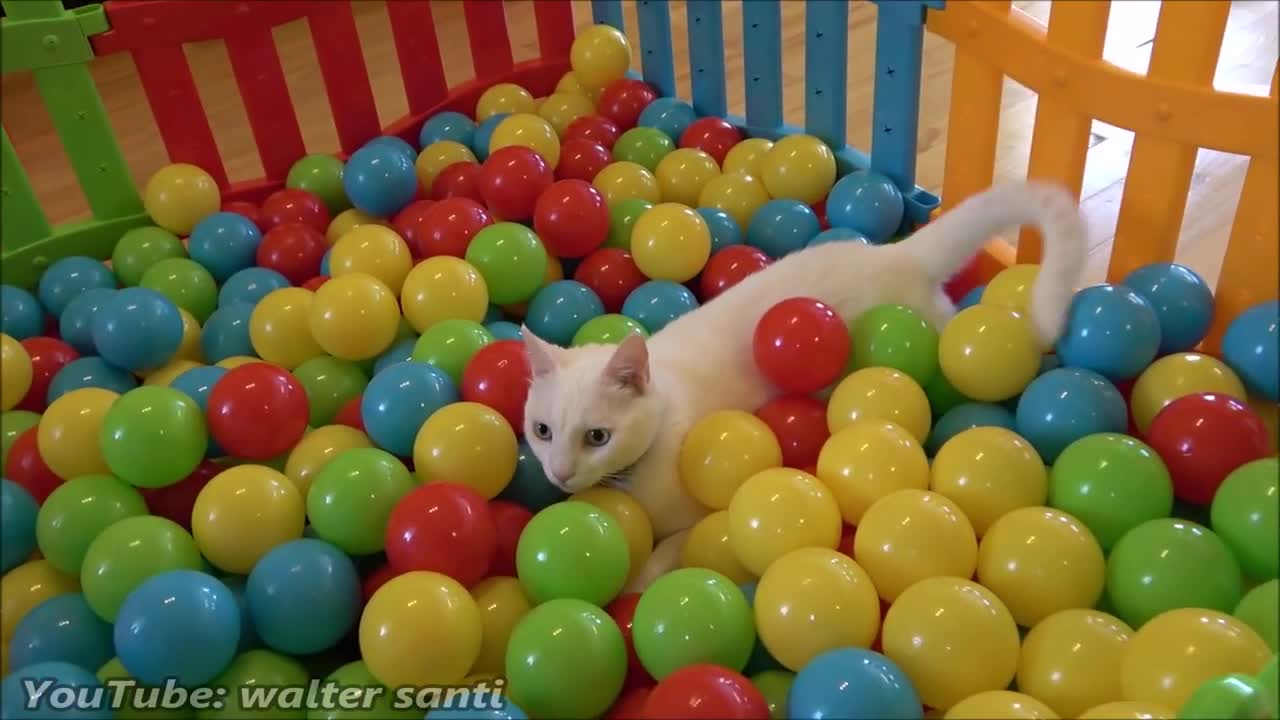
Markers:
point(648, 394)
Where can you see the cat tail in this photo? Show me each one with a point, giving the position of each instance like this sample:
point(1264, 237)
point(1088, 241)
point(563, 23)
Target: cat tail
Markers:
point(944, 246)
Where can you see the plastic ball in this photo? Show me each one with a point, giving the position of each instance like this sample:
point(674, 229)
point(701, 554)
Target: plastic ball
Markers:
point(722, 451)
point(729, 266)
point(502, 604)
point(26, 468)
point(683, 173)
point(321, 176)
point(669, 115)
point(447, 125)
point(450, 344)
point(1244, 513)
point(1204, 437)
point(966, 416)
point(573, 550)
point(380, 179)
point(484, 131)
point(192, 606)
point(226, 333)
point(466, 443)
point(705, 691)
point(144, 419)
point(1112, 483)
point(643, 146)
point(442, 288)
point(1011, 287)
point(895, 336)
point(868, 460)
point(712, 135)
point(779, 510)
point(445, 227)
point(691, 616)
point(20, 702)
point(851, 683)
point(511, 259)
point(438, 156)
point(560, 309)
point(707, 546)
point(529, 488)
point(62, 281)
point(670, 242)
point(780, 227)
point(880, 393)
point(15, 372)
point(571, 218)
point(1182, 301)
point(137, 329)
point(624, 99)
point(746, 157)
point(250, 286)
point(186, 283)
point(316, 449)
point(989, 353)
point(595, 129)
point(18, 525)
point(799, 167)
point(329, 384)
point(1125, 710)
point(129, 552)
point(565, 658)
point(350, 219)
point(1260, 610)
point(352, 497)
point(1251, 347)
point(1166, 564)
point(511, 180)
point(560, 109)
point(141, 247)
point(621, 181)
point(909, 535)
point(612, 275)
point(600, 55)
point(48, 358)
point(724, 230)
point(461, 179)
point(445, 528)
point(291, 206)
point(373, 250)
point(1000, 703)
point(61, 629)
point(609, 329)
point(739, 195)
point(398, 401)
point(581, 159)
point(505, 330)
point(243, 513)
point(354, 317)
point(867, 202)
point(1178, 375)
point(294, 250)
point(303, 596)
point(21, 315)
point(179, 195)
point(526, 130)
point(257, 411)
point(280, 330)
point(989, 472)
point(1071, 660)
point(1066, 404)
point(1110, 330)
point(657, 303)
point(800, 345)
point(68, 432)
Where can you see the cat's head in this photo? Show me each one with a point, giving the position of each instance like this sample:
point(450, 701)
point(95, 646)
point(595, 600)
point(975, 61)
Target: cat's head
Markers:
point(592, 411)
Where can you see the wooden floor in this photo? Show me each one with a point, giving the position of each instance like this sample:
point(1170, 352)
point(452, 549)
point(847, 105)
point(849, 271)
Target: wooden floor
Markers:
point(1246, 64)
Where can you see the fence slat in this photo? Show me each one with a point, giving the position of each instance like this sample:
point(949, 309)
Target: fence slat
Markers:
point(179, 113)
point(418, 49)
point(608, 12)
point(654, 19)
point(22, 222)
point(555, 27)
point(895, 115)
point(255, 62)
point(762, 58)
point(1060, 135)
point(490, 45)
point(826, 70)
point(706, 56)
point(346, 79)
point(1187, 42)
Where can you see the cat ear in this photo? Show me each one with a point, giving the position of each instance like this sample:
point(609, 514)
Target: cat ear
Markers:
point(542, 354)
point(629, 366)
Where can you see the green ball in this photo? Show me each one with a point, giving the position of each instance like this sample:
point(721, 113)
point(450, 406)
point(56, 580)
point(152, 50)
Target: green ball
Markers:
point(622, 217)
point(608, 329)
point(140, 248)
point(1246, 513)
point(691, 616)
point(643, 146)
point(573, 550)
point(1228, 696)
point(128, 709)
point(942, 395)
point(257, 668)
point(774, 685)
point(511, 259)
point(320, 175)
point(187, 283)
point(355, 674)
point(1260, 610)
point(329, 383)
point(1112, 483)
point(129, 552)
point(77, 511)
point(565, 659)
point(1168, 564)
point(153, 436)
point(450, 345)
point(898, 337)
point(13, 424)
point(351, 498)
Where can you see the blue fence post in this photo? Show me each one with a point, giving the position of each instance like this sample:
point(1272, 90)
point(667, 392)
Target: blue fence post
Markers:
point(826, 74)
point(895, 115)
point(608, 12)
point(706, 56)
point(762, 62)
point(655, 46)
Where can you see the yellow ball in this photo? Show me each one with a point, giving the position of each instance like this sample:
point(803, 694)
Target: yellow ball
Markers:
point(600, 54)
point(165, 375)
point(420, 628)
point(635, 522)
point(953, 638)
point(570, 85)
point(780, 510)
point(739, 195)
point(236, 361)
point(436, 157)
point(1270, 414)
point(1178, 375)
point(721, 451)
point(243, 513)
point(683, 173)
point(1038, 561)
point(280, 328)
point(562, 108)
point(15, 372)
point(530, 131)
point(354, 317)
point(25, 587)
point(506, 98)
point(443, 288)
point(880, 393)
point(348, 220)
point(707, 546)
point(1011, 288)
point(620, 181)
point(466, 443)
point(178, 196)
point(502, 603)
point(316, 449)
point(1124, 710)
point(670, 242)
point(745, 157)
point(67, 436)
point(1004, 704)
point(1071, 660)
point(374, 250)
point(813, 600)
point(799, 167)
point(868, 460)
point(1179, 650)
point(988, 472)
point(910, 535)
point(190, 348)
point(989, 353)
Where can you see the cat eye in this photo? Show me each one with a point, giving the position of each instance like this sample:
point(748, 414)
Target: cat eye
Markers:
point(542, 431)
point(597, 437)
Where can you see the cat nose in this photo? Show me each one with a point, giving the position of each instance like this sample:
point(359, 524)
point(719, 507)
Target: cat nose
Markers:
point(561, 473)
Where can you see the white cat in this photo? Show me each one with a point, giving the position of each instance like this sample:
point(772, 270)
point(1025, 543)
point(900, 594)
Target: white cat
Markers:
point(617, 414)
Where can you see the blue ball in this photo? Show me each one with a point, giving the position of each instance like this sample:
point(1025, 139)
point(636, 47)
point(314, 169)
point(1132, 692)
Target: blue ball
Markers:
point(21, 316)
point(505, 330)
point(303, 596)
point(394, 143)
point(76, 324)
point(225, 243)
point(658, 302)
point(248, 636)
point(89, 372)
point(400, 351)
point(1066, 404)
point(867, 202)
point(17, 525)
point(399, 399)
point(670, 115)
point(197, 382)
point(250, 285)
point(69, 277)
point(447, 125)
point(379, 179)
point(226, 333)
point(1182, 300)
point(780, 227)
point(324, 261)
point(529, 487)
point(493, 313)
point(853, 684)
point(560, 308)
point(137, 329)
point(760, 659)
point(508, 711)
point(838, 234)
point(1251, 347)
point(1111, 330)
point(484, 133)
point(967, 416)
point(61, 629)
point(181, 624)
point(971, 298)
point(63, 685)
point(724, 229)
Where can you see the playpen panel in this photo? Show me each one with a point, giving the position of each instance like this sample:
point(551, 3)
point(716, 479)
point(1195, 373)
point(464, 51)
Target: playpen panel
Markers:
point(706, 57)
point(490, 45)
point(826, 71)
point(895, 109)
point(179, 113)
point(346, 78)
point(555, 27)
point(255, 62)
point(657, 61)
point(608, 12)
point(24, 222)
point(413, 29)
point(762, 63)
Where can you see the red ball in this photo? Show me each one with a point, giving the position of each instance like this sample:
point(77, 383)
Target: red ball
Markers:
point(728, 267)
point(349, 415)
point(582, 160)
point(612, 274)
point(712, 135)
point(314, 283)
point(1202, 438)
point(375, 580)
point(801, 345)
point(293, 250)
point(247, 209)
point(461, 179)
point(442, 527)
point(498, 376)
point(408, 224)
point(257, 411)
point(572, 218)
point(800, 424)
point(630, 704)
point(446, 227)
point(706, 691)
point(596, 128)
point(511, 180)
point(820, 209)
point(48, 356)
point(27, 468)
point(176, 501)
point(623, 610)
point(623, 100)
point(287, 206)
point(847, 536)
point(509, 518)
